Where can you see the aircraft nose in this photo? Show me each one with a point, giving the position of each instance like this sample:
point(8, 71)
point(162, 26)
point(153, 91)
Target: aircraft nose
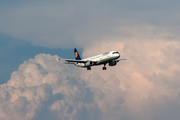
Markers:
point(118, 55)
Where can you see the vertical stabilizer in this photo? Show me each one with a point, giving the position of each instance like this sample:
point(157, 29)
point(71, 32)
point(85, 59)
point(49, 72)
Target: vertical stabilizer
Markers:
point(76, 54)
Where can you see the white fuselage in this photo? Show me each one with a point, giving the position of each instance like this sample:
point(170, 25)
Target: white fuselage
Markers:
point(101, 59)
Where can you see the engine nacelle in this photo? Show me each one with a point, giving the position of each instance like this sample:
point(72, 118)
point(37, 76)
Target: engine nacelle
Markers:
point(112, 63)
point(89, 63)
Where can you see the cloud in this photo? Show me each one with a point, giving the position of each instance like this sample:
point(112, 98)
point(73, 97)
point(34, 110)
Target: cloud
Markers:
point(51, 24)
point(19, 103)
point(29, 87)
point(149, 78)
point(44, 80)
point(146, 86)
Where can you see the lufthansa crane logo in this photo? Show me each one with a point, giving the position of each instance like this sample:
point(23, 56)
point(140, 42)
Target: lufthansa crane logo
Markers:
point(76, 54)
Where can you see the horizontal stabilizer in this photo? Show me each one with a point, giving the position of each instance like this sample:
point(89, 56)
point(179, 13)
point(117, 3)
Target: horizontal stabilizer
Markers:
point(68, 63)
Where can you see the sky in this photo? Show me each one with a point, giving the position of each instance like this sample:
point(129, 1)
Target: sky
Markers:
point(34, 85)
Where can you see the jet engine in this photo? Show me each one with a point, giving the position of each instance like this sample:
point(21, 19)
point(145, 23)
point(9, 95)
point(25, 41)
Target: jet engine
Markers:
point(88, 63)
point(112, 63)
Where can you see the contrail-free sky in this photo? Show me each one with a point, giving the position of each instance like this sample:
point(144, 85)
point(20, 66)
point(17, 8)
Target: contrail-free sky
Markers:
point(34, 85)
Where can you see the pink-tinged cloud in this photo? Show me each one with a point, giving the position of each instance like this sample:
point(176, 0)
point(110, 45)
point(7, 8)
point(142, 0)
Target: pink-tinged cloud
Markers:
point(146, 86)
point(149, 76)
point(43, 79)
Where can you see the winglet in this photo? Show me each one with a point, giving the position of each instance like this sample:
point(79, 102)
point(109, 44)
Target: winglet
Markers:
point(76, 54)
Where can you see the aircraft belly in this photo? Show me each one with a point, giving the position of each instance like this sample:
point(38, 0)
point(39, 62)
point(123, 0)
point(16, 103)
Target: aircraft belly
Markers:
point(105, 60)
point(100, 61)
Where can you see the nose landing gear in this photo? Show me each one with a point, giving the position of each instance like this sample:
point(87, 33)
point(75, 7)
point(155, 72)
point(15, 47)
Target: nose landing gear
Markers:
point(88, 68)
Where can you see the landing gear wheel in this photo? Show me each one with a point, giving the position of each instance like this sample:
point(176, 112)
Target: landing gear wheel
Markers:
point(88, 68)
point(104, 68)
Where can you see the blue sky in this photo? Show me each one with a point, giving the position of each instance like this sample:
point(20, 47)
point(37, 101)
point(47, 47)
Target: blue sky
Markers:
point(34, 85)
point(14, 52)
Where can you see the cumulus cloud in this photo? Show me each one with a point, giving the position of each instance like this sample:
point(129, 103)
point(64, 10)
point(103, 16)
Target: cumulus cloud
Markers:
point(146, 86)
point(149, 77)
point(22, 104)
point(38, 80)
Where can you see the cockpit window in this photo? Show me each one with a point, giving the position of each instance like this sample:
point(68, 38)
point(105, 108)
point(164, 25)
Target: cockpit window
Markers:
point(115, 53)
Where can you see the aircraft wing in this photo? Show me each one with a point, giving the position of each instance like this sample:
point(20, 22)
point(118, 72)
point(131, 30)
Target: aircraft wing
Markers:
point(120, 59)
point(70, 61)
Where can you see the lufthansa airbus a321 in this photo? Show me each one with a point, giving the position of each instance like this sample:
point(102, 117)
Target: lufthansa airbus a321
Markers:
point(109, 57)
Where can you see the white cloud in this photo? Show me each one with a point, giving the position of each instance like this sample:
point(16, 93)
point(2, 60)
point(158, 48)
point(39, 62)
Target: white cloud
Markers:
point(22, 104)
point(38, 80)
point(31, 85)
point(148, 77)
point(144, 86)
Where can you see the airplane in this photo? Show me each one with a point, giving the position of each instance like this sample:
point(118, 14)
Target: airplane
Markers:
point(109, 57)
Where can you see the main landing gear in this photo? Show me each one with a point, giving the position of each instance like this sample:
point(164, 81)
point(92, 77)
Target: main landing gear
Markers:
point(88, 68)
point(104, 68)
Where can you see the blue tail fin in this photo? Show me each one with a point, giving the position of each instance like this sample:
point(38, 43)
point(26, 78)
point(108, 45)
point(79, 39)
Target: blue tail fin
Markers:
point(77, 56)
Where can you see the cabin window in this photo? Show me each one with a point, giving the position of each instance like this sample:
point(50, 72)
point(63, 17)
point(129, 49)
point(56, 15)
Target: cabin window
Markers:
point(106, 53)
